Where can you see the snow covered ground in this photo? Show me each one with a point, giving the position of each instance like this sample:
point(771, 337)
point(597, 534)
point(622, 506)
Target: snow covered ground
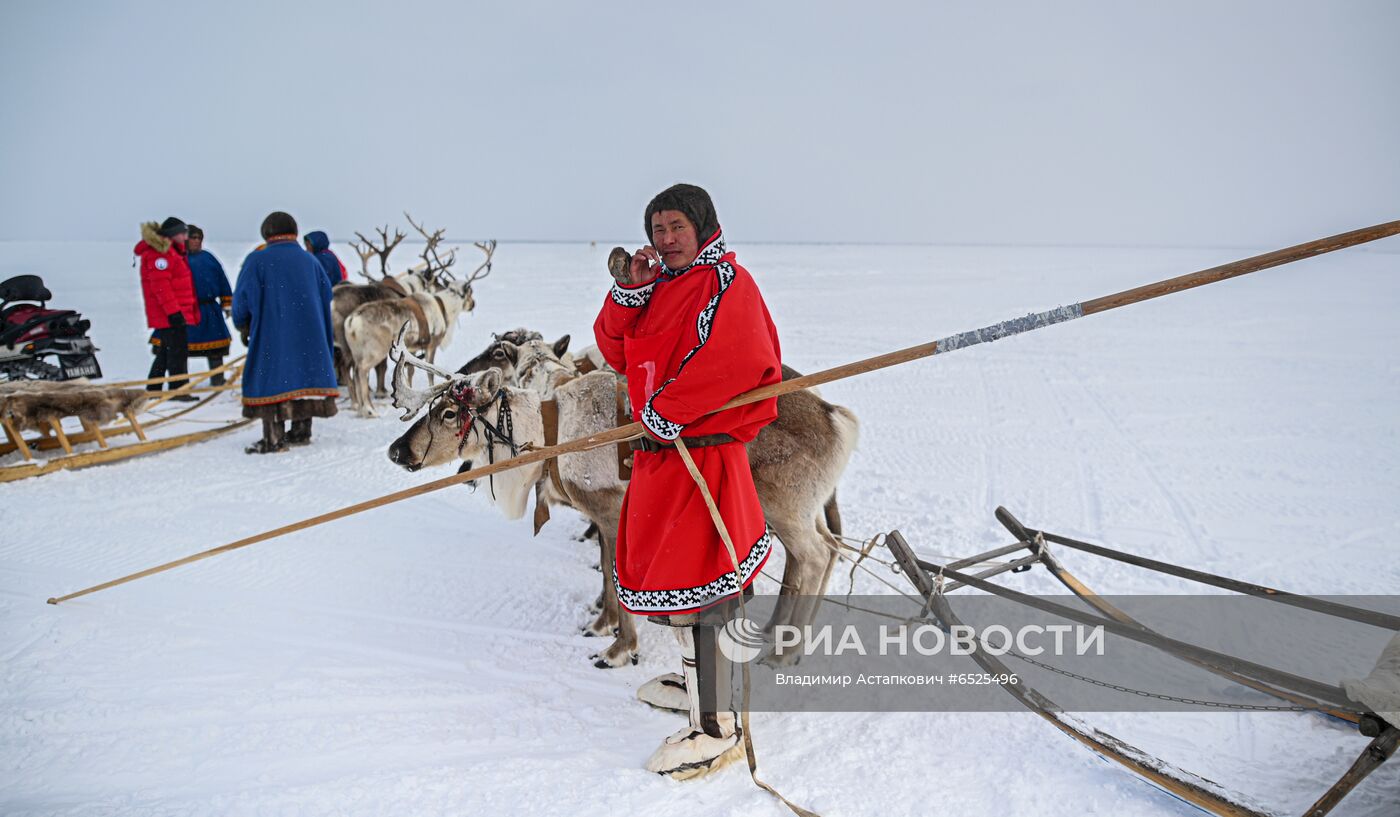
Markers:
point(424, 658)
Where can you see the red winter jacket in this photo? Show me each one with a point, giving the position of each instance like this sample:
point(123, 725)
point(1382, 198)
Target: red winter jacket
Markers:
point(689, 341)
point(166, 281)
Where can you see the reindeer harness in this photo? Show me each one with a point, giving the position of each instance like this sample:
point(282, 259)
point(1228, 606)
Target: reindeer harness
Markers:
point(471, 416)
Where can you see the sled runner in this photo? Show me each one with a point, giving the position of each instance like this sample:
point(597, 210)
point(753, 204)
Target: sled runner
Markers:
point(103, 411)
point(935, 581)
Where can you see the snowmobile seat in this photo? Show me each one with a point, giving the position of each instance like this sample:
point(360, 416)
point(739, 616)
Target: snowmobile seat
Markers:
point(24, 288)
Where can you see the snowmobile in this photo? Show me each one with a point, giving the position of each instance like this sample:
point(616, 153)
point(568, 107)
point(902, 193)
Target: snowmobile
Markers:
point(38, 343)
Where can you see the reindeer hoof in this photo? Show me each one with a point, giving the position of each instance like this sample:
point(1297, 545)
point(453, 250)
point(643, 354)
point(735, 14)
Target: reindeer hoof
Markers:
point(605, 661)
point(600, 626)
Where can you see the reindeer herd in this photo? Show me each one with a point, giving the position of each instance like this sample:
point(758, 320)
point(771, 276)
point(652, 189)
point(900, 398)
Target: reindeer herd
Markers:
point(523, 392)
point(427, 297)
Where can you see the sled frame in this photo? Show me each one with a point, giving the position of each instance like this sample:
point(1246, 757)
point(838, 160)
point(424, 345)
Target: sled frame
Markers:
point(1199, 792)
point(129, 422)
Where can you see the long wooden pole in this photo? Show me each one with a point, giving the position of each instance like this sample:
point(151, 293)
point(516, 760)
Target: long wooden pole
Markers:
point(153, 380)
point(949, 344)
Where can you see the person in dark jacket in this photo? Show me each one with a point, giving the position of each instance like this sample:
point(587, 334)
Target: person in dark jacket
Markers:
point(168, 289)
point(282, 302)
point(210, 337)
point(319, 245)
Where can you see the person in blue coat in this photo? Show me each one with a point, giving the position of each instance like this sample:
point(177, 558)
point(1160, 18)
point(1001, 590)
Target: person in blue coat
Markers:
point(319, 245)
point(210, 337)
point(282, 304)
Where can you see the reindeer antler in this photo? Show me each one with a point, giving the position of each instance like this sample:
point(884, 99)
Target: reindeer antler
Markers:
point(406, 397)
point(488, 247)
point(433, 265)
point(386, 247)
point(365, 253)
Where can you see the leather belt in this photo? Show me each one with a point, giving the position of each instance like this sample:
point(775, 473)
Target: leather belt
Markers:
point(702, 441)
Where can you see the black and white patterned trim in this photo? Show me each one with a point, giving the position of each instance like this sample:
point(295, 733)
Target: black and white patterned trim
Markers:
point(632, 297)
point(692, 598)
point(710, 254)
point(658, 425)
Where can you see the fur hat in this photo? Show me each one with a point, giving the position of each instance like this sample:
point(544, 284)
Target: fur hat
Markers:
point(690, 200)
point(172, 227)
point(278, 223)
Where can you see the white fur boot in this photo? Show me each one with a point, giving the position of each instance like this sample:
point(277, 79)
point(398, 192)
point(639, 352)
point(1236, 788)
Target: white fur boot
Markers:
point(665, 692)
point(709, 742)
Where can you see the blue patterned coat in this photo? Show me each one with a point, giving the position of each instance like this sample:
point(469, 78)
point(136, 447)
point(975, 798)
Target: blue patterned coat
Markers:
point(284, 299)
point(210, 336)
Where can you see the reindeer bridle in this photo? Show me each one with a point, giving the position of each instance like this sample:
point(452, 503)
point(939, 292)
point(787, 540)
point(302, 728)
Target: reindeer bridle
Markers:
point(458, 390)
point(472, 415)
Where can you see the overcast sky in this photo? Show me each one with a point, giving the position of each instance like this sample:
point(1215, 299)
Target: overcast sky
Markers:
point(1165, 123)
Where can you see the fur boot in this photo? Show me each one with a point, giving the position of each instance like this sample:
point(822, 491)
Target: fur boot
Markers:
point(665, 692)
point(273, 440)
point(300, 433)
point(711, 740)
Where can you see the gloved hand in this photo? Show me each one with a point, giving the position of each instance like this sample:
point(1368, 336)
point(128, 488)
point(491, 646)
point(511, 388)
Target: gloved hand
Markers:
point(243, 334)
point(176, 319)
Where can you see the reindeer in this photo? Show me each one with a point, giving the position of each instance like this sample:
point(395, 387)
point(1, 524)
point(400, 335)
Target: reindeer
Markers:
point(796, 461)
point(431, 318)
point(347, 297)
point(425, 276)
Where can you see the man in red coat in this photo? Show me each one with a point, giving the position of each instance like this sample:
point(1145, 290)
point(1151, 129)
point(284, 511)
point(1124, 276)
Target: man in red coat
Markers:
point(690, 331)
point(171, 304)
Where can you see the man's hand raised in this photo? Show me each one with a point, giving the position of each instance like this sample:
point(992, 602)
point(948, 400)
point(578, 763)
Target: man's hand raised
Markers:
point(640, 267)
point(633, 269)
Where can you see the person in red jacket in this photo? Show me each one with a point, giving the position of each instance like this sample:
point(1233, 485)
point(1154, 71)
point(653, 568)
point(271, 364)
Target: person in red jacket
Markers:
point(171, 305)
point(690, 330)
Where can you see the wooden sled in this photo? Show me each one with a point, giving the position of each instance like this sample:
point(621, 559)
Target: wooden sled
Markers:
point(113, 453)
point(934, 582)
point(93, 405)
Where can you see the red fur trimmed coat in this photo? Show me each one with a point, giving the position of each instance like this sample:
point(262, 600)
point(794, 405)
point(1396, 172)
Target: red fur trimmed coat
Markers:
point(166, 282)
point(689, 341)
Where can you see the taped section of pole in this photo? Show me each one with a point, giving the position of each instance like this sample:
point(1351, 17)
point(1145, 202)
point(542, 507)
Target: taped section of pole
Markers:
point(987, 334)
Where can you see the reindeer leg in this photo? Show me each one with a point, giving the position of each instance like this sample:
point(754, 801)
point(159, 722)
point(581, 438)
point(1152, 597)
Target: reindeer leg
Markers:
point(382, 369)
point(605, 622)
point(782, 610)
point(805, 554)
point(832, 512)
point(432, 358)
point(832, 548)
point(363, 404)
point(353, 369)
point(623, 650)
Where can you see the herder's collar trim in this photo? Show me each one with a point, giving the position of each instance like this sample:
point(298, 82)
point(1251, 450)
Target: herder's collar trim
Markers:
point(709, 255)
